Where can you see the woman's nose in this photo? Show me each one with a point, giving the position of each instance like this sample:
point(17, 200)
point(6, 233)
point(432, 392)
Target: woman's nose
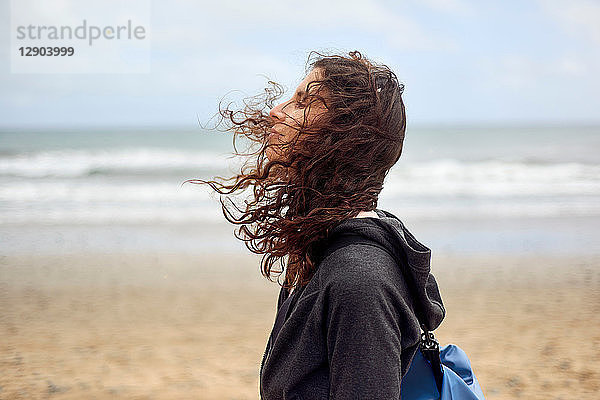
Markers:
point(277, 112)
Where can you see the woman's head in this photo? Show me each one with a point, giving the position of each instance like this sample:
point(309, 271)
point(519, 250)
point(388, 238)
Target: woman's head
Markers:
point(323, 156)
point(345, 97)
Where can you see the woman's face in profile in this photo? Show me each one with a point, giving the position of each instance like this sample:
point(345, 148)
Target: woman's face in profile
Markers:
point(290, 115)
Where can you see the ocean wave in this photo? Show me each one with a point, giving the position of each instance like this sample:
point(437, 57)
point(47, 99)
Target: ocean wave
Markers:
point(155, 213)
point(147, 186)
point(493, 178)
point(133, 161)
point(442, 178)
point(154, 162)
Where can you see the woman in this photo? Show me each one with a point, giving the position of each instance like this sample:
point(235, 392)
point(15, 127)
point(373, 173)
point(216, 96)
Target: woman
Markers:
point(348, 317)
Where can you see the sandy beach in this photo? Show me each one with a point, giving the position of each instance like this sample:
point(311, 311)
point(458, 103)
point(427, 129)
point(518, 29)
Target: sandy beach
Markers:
point(164, 326)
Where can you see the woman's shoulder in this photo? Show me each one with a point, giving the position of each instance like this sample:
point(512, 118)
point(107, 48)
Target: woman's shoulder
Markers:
point(358, 265)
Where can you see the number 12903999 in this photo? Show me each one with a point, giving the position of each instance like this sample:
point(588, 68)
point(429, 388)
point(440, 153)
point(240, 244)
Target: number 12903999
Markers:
point(46, 51)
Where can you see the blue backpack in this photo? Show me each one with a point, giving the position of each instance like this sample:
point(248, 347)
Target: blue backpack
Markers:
point(439, 373)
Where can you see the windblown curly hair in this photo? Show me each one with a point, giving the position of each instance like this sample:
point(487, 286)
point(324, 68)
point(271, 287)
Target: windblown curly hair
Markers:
point(333, 167)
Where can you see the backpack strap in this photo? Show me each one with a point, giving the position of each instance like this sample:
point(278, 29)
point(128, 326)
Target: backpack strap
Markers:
point(428, 345)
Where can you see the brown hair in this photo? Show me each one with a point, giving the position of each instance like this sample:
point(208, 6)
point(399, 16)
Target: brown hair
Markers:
point(333, 167)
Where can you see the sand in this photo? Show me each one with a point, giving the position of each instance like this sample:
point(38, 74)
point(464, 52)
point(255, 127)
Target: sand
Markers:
point(165, 326)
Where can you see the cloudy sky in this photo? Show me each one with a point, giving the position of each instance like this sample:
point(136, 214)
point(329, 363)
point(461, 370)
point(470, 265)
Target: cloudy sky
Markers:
point(462, 62)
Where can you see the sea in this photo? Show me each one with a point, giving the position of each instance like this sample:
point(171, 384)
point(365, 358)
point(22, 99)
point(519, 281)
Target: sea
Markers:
point(460, 189)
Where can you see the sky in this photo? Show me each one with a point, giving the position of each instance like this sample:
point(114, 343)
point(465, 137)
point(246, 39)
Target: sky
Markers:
point(462, 62)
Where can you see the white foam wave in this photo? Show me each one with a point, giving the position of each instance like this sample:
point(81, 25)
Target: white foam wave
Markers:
point(435, 189)
point(81, 163)
point(144, 213)
point(493, 178)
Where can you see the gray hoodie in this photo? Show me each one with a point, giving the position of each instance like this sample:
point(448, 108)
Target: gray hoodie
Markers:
point(352, 331)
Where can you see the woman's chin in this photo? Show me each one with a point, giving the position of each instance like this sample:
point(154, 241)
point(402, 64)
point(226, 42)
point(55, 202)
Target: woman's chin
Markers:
point(269, 155)
point(272, 154)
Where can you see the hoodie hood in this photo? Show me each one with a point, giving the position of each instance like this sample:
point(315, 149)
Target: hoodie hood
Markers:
point(411, 255)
